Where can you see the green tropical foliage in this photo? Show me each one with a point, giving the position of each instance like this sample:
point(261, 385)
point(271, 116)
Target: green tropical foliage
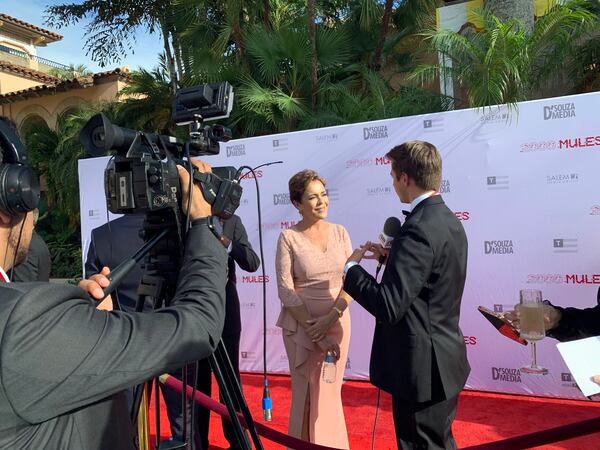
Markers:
point(79, 70)
point(54, 155)
point(504, 63)
point(304, 64)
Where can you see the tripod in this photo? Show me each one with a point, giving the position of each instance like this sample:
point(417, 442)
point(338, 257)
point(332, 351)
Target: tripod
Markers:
point(163, 252)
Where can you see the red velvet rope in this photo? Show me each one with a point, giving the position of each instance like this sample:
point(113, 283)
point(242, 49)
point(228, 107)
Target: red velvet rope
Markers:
point(543, 437)
point(269, 433)
point(535, 439)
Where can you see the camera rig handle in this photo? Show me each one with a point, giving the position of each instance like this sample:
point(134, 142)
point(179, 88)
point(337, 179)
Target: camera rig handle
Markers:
point(223, 194)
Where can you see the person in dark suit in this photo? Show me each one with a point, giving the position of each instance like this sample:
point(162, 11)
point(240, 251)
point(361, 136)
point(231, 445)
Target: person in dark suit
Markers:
point(419, 354)
point(110, 245)
point(38, 264)
point(235, 240)
point(63, 359)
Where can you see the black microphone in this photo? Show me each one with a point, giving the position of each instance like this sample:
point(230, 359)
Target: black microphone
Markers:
point(391, 228)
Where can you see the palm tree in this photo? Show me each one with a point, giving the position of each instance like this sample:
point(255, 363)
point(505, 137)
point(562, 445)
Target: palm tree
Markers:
point(504, 63)
point(73, 71)
point(516, 9)
point(146, 101)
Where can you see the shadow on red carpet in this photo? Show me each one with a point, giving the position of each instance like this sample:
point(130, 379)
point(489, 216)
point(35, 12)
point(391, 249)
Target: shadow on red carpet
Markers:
point(482, 417)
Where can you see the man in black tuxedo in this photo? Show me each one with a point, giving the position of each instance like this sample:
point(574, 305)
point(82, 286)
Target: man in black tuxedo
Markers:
point(63, 360)
point(419, 354)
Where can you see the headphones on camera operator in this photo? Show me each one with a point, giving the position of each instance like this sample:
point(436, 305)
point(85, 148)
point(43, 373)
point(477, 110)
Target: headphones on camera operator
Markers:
point(19, 185)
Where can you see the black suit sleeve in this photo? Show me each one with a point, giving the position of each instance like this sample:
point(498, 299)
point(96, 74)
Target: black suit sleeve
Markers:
point(577, 323)
point(92, 265)
point(241, 250)
point(59, 353)
point(408, 267)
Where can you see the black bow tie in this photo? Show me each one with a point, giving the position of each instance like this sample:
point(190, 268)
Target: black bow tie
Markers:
point(406, 213)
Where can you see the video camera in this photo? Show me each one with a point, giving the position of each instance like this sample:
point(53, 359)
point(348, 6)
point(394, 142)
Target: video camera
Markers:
point(142, 177)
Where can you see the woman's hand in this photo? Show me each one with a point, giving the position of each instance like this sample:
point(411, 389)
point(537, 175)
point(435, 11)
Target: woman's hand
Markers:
point(329, 345)
point(318, 327)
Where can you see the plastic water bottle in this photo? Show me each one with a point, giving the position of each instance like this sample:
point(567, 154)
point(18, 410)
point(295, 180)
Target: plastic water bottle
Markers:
point(329, 369)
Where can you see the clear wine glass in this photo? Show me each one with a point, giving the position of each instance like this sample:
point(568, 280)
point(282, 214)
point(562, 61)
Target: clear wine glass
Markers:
point(532, 325)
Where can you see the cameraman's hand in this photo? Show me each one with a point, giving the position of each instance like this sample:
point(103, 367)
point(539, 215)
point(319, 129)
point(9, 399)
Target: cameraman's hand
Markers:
point(94, 285)
point(200, 207)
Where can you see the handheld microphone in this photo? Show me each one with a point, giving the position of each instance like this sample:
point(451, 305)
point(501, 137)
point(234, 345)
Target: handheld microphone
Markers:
point(391, 228)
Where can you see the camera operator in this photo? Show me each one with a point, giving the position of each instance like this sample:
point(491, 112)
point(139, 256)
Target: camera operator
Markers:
point(61, 359)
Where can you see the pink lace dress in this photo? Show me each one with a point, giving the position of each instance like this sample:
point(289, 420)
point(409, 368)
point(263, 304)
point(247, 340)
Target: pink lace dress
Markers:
point(307, 275)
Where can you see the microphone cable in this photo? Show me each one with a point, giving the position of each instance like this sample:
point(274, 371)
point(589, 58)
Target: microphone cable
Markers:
point(267, 402)
point(375, 419)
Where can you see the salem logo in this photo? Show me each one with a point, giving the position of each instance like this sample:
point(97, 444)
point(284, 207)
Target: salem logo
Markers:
point(348, 364)
point(498, 247)
point(462, 215)
point(326, 138)
point(254, 278)
point(248, 305)
point(250, 176)
point(595, 210)
point(379, 191)
point(580, 142)
point(445, 187)
point(273, 331)
point(560, 111)
point(236, 150)
point(506, 374)
point(281, 199)
point(379, 132)
point(562, 178)
point(495, 117)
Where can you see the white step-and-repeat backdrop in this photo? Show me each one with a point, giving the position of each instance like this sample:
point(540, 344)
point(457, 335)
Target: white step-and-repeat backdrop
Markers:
point(525, 187)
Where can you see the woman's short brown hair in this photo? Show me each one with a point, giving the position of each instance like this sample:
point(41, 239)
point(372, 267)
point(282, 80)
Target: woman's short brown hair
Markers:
point(300, 181)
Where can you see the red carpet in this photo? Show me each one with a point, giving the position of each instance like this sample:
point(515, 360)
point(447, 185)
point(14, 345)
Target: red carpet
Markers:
point(482, 417)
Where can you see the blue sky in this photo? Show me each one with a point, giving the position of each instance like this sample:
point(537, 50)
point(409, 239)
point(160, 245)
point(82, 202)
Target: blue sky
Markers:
point(70, 48)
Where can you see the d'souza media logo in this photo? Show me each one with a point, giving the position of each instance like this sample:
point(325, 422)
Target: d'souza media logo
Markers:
point(498, 247)
point(235, 150)
point(377, 132)
point(559, 111)
point(506, 374)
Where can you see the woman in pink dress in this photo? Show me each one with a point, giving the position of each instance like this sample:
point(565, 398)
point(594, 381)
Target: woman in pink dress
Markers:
point(314, 316)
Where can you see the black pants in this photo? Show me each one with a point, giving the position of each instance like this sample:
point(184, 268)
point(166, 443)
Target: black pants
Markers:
point(204, 385)
point(424, 426)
